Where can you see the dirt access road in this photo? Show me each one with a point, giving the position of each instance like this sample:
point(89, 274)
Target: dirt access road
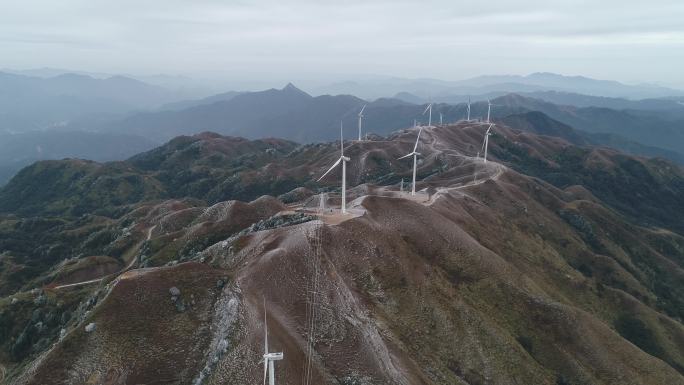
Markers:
point(130, 264)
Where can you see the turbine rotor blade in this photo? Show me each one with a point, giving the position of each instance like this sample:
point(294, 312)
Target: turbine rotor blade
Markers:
point(362, 108)
point(406, 156)
point(427, 108)
point(415, 147)
point(330, 169)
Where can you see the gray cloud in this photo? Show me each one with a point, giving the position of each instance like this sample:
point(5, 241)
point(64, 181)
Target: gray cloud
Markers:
point(626, 40)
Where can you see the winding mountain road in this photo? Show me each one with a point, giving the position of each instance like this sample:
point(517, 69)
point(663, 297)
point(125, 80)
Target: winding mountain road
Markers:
point(494, 169)
point(489, 170)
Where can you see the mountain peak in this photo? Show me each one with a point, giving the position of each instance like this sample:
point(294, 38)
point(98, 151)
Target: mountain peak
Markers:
point(292, 88)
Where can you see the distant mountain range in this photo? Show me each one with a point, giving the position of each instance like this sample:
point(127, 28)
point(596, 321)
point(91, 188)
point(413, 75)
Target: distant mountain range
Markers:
point(30, 103)
point(124, 110)
point(647, 128)
point(292, 114)
point(667, 107)
point(289, 113)
point(482, 85)
point(541, 124)
point(19, 150)
point(183, 104)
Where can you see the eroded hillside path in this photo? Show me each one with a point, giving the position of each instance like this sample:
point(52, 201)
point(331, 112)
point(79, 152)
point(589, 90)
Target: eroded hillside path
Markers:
point(125, 269)
point(485, 171)
point(495, 171)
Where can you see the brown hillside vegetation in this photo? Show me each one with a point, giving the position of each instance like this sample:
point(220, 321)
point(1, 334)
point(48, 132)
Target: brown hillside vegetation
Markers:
point(498, 282)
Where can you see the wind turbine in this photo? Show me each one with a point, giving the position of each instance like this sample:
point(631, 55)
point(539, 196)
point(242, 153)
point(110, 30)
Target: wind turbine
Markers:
point(343, 159)
point(440, 118)
point(415, 161)
point(269, 358)
point(468, 119)
point(489, 109)
point(429, 108)
point(321, 202)
point(360, 117)
point(485, 144)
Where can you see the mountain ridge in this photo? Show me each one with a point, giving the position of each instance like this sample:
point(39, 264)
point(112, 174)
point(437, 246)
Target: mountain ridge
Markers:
point(519, 269)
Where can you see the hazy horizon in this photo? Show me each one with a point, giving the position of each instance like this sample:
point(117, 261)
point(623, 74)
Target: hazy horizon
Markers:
point(310, 41)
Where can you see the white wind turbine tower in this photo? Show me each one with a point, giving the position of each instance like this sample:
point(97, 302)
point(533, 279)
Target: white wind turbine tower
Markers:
point(441, 118)
point(322, 198)
point(415, 161)
point(429, 108)
point(485, 144)
point(343, 159)
point(468, 118)
point(361, 117)
point(269, 358)
point(489, 109)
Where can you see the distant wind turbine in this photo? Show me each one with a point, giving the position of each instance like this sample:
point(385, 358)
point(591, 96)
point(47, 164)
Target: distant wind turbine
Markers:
point(441, 118)
point(468, 118)
point(485, 144)
point(343, 159)
point(361, 117)
point(429, 108)
point(269, 358)
point(489, 109)
point(415, 161)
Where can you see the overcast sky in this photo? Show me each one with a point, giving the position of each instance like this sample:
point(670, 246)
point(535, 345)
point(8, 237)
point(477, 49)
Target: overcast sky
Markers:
point(626, 40)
